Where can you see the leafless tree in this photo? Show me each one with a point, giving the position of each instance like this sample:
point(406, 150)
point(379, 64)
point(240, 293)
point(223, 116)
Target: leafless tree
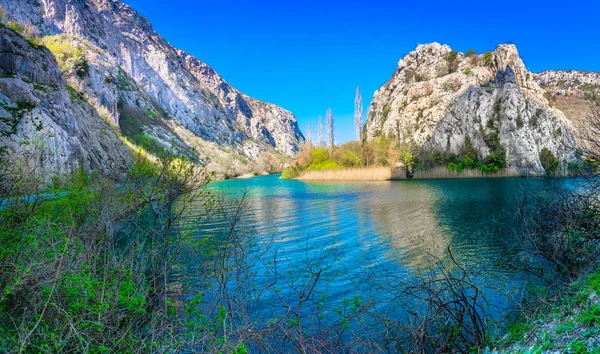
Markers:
point(358, 112)
point(308, 135)
point(330, 135)
point(320, 132)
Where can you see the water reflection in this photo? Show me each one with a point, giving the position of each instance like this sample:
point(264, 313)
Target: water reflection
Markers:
point(376, 225)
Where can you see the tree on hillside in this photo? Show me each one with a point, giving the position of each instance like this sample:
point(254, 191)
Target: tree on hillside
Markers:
point(358, 112)
point(330, 136)
point(308, 135)
point(320, 132)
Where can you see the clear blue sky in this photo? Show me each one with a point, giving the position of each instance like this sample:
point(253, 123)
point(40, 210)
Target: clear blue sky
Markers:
point(309, 55)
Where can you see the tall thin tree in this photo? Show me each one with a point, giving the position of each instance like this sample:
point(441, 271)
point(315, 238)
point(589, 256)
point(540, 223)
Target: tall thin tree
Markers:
point(320, 127)
point(358, 112)
point(329, 122)
point(308, 135)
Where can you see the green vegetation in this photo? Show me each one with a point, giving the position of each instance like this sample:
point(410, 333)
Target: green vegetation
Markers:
point(66, 286)
point(453, 62)
point(470, 52)
point(488, 59)
point(551, 97)
point(520, 122)
point(133, 124)
point(70, 56)
point(549, 161)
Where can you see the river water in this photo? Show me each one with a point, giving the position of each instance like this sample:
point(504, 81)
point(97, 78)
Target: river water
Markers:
point(358, 235)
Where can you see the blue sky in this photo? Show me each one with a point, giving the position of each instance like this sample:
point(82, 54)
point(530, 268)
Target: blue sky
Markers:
point(309, 55)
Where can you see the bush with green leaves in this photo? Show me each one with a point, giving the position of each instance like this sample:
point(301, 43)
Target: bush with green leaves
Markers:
point(488, 59)
point(549, 162)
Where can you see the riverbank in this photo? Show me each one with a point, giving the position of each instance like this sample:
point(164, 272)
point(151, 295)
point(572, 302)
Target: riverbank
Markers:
point(570, 325)
point(383, 173)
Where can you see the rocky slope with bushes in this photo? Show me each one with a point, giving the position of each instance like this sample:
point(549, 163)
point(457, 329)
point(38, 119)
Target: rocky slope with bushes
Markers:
point(488, 105)
point(158, 96)
point(575, 93)
point(46, 125)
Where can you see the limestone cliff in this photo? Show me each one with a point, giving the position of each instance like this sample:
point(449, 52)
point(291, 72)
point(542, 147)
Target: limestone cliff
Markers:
point(111, 55)
point(49, 128)
point(438, 97)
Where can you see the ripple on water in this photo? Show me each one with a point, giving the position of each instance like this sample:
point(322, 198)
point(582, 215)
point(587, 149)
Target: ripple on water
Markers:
point(370, 226)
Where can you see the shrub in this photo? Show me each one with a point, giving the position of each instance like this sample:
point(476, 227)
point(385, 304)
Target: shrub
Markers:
point(550, 97)
point(549, 162)
point(488, 59)
point(520, 122)
point(451, 85)
point(289, 173)
point(420, 77)
point(468, 72)
point(452, 59)
point(69, 56)
point(470, 52)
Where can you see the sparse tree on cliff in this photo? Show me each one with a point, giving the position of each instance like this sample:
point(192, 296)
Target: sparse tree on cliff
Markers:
point(358, 112)
point(320, 127)
point(330, 136)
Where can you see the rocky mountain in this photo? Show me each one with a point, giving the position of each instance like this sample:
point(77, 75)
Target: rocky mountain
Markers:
point(570, 82)
point(154, 93)
point(575, 92)
point(47, 127)
point(439, 99)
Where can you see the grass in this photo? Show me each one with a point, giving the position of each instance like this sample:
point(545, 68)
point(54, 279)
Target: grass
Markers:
point(564, 326)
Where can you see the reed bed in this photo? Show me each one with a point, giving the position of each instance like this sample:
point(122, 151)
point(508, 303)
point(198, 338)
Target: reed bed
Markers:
point(443, 173)
point(349, 174)
point(399, 173)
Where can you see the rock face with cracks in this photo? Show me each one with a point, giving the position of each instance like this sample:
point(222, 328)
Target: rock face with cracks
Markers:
point(47, 128)
point(117, 63)
point(437, 98)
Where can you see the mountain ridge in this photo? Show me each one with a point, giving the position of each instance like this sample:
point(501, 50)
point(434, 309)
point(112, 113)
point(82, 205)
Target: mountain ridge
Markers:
point(437, 98)
point(130, 67)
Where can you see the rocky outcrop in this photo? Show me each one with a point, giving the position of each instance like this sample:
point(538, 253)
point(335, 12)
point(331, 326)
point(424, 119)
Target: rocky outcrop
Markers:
point(438, 99)
point(43, 126)
point(569, 82)
point(129, 64)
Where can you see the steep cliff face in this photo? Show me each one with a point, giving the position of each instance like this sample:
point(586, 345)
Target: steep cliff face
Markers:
point(129, 65)
point(50, 129)
point(437, 98)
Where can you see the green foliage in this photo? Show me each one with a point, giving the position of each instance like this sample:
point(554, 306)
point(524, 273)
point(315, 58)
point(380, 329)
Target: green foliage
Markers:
point(151, 114)
point(577, 346)
point(549, 162)
point(289, 173)
point(468, 72)
point(69, 56)
point(17, 28)
point(556, 133)
point(520, 122)
point(452, 59)
point(551, 97)
point(133, 124)
point(517, 329)
point(470, 52)
point(488, 59)
point(590, 316)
